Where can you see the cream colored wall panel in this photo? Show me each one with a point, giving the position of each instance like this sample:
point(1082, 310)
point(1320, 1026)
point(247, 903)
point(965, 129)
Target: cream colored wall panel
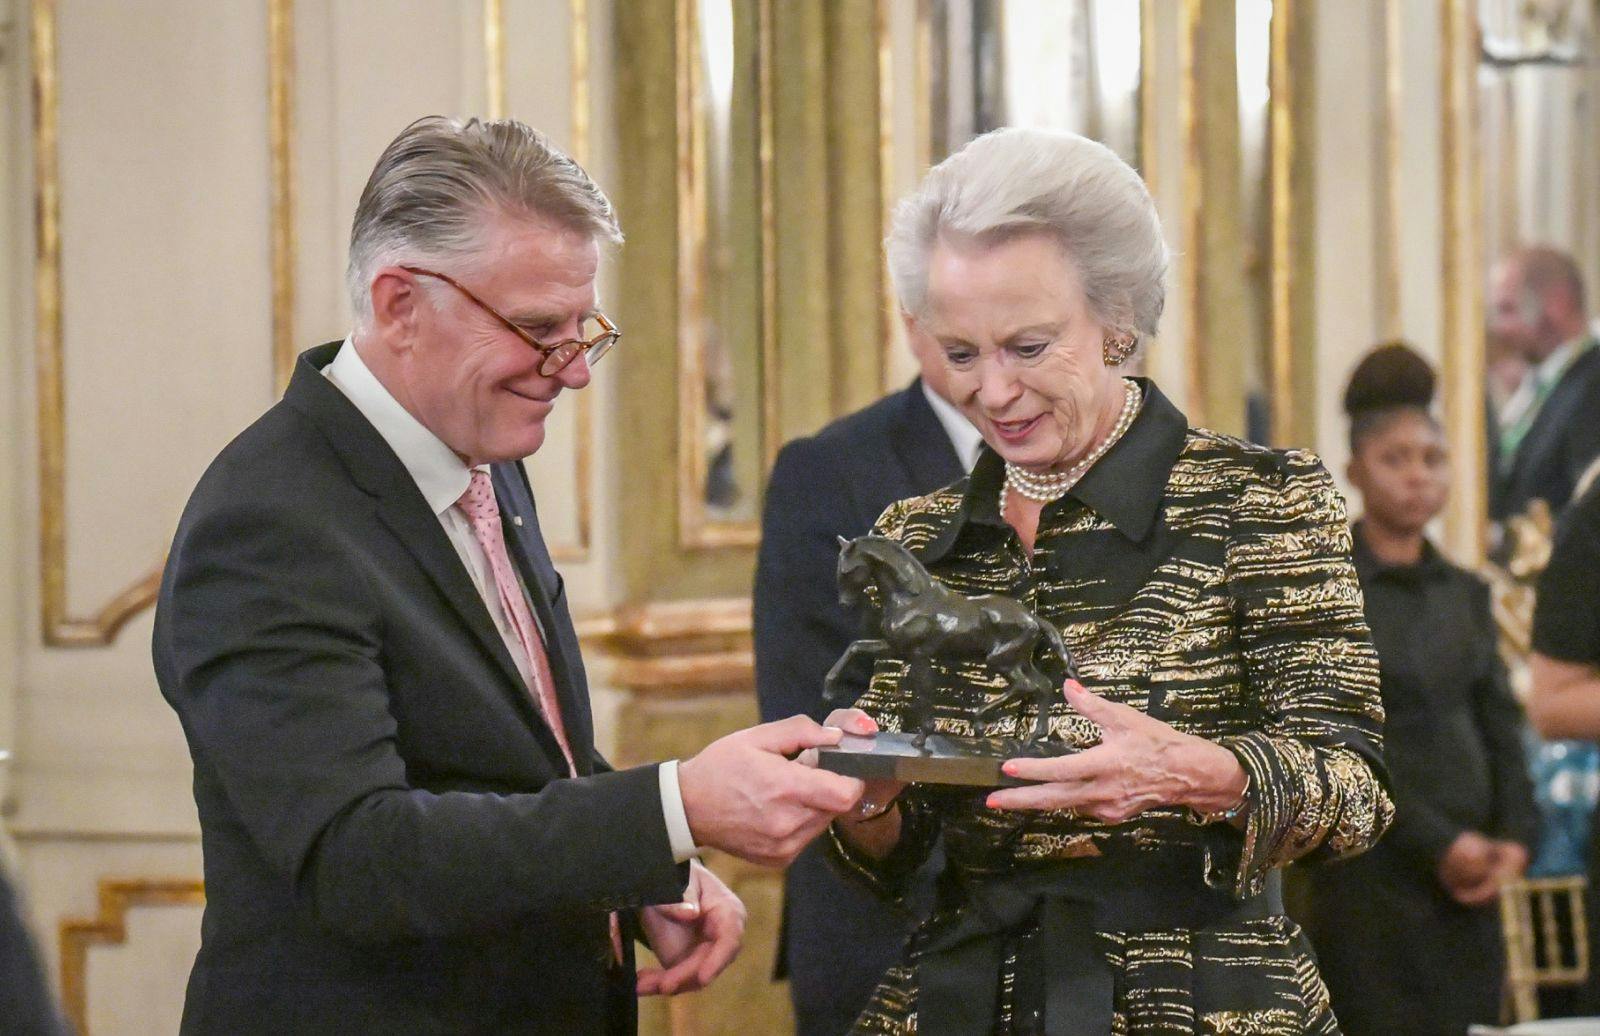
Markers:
point(164, 275)
point(137, 986)
point(1349, 121)
point(1168, 357)
point(1420, 172)
point(98, 750)
point(60, 880)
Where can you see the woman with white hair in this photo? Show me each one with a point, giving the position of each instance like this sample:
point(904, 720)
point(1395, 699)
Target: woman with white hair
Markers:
point(1228, 719)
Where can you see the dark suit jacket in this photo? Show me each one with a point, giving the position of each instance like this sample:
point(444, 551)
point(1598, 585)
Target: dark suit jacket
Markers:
point(389, 845)
point(838, 940)
point(1563, 441)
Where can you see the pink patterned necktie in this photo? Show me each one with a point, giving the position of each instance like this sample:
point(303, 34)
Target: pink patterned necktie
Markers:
point(478, 504)
point(483, 513)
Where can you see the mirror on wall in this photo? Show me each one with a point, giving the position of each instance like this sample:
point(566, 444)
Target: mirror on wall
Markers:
point(721, 230)
point(1538, 73)
point(1064, 64)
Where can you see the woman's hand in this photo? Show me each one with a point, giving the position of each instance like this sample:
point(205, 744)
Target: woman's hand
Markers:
point(1139, 763)
point(874, 825)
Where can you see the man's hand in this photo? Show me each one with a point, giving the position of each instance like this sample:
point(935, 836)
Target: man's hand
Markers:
point(695, 939)
point(745, 793)
point(1467, 869)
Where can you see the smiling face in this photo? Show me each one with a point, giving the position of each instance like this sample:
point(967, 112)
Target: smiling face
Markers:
point(463, 374)
point(1022, 351)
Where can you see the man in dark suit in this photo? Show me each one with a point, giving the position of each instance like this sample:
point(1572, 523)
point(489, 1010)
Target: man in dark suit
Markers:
point(837, 939)
point(1548, 432)
point(406, 826)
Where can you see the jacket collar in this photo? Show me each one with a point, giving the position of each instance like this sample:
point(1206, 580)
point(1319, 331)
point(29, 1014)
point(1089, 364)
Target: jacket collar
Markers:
point(400, 505)
point(1125, 487)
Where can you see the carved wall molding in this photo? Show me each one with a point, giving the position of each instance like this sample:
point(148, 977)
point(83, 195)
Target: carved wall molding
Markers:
point(109, 927)
point(680, 648)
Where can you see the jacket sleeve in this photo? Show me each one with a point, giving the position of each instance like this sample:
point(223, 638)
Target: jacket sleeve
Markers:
point(1314, 759)
point(271, 649)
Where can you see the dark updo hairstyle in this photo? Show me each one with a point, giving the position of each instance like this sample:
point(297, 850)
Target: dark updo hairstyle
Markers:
point(1391, 380)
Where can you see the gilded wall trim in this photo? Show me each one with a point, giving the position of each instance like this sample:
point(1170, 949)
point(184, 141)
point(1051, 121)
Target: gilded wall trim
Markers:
point(60, 629)
point(889, 308)
point(1291, 110)
point(110, 927)
point(1393, 118)
point(494, 58)
point(680, 648)
point(1462, 316)
point(1190, 30)
point(280, 115)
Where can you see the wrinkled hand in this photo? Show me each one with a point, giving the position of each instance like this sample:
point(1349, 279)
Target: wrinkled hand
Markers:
point(746, 795)
point(878, 793)
point(1467, 870)
point(694, 940)
point(1139, 763)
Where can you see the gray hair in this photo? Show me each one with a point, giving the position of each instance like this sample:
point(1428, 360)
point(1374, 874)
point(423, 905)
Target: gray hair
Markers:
point(434, 186)
point(1017, 181)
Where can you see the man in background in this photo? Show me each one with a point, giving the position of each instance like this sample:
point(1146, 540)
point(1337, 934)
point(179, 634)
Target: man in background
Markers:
point(1549, 429)
point(837, 940)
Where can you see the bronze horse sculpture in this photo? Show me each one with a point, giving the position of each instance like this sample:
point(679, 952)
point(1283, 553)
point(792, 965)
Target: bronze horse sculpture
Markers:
point(919, 619)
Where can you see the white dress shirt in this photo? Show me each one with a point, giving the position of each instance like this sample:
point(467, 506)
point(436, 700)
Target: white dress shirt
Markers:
point(443, 477)
point(966, 438)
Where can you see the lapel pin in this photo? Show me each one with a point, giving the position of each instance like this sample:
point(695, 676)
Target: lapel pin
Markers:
point(516, 520)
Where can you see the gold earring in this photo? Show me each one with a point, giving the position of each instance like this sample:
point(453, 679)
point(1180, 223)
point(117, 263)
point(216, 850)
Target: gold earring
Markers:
point(1117, 350)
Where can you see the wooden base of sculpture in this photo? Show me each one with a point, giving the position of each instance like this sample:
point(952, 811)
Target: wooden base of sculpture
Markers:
point(968, 761)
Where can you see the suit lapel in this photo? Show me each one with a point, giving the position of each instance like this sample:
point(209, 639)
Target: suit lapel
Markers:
point(1556, 412)
point(528, 551)
point(400, 506)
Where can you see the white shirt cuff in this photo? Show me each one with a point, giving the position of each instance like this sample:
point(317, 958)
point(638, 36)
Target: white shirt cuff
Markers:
point(678, 834)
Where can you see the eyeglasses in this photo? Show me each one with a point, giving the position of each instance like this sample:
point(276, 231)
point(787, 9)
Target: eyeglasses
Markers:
point(557, 356)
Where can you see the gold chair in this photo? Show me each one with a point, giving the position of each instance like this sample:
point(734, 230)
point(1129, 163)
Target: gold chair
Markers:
point(1547, 939)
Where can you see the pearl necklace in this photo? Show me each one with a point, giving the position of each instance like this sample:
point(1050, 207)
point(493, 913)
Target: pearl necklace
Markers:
point(1049, 487)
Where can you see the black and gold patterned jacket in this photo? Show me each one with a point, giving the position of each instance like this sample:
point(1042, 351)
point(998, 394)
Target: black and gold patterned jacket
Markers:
point(1208, 582)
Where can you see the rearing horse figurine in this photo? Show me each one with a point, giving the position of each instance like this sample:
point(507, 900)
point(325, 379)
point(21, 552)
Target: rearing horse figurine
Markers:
point(920, 619)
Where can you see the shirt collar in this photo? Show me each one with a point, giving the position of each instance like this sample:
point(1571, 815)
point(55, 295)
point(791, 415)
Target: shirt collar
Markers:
point(435, 468)
point(1370, 566)
point(964, 437)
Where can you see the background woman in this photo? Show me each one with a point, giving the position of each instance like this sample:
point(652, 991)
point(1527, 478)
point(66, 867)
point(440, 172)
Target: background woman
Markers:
point(1409, 934)
point(1230, 721)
